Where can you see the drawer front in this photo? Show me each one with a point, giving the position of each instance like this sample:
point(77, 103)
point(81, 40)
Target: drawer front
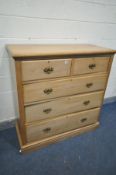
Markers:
point(89, 65)
point(62, 124)
point(44, 69)
point(63, 106)
point(57, 88)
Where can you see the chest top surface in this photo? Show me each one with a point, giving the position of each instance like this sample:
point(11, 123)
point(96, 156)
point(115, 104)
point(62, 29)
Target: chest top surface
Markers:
point(28, 50)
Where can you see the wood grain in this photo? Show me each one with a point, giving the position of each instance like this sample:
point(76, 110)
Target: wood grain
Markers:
point(21, 120)
point(108, 71)
point(54, 139)
point(45, 69)
point(66, 102)
point(23, 50)
point(89, 65)
point(37, 91)
point(63, 106)
point(62, 124)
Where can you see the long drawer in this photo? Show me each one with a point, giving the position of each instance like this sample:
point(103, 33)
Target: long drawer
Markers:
point(68, 86)
point(63, 106)
point(89, 65)
point(45, 69)
point(62, 124)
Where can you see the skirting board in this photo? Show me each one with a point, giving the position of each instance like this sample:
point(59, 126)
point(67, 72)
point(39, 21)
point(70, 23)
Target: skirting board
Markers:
point(54, 139)
point(109, 100)
point(7, 124)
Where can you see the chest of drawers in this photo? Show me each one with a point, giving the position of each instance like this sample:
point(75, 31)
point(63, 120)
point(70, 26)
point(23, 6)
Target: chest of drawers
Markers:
point(60, 90)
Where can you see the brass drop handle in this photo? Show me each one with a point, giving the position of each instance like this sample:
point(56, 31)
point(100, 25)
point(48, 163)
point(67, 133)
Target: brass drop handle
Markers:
point(48, 91)
point(92, 66)
point(47, 111)
point(83, 120)
point(47, 129)
point(86, 102)
point(88, 85)
point(48, 70)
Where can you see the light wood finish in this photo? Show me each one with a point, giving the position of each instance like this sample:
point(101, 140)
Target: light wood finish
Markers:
point(20, 100)
point(63, 106)
point(62, 124)
point(54, 139)
point(31, 50)
point(60, 90)
point(19, 134)
point(44, 69)
point(108, 71)
point(63, 87)
point(89, 65)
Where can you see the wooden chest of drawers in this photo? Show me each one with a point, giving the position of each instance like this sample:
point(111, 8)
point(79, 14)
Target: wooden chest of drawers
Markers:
point(60, 90)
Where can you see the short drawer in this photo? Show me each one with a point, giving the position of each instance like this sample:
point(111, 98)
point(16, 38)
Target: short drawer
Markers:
point(62, 124)
point(68, 86)
point(44, 69)
point(63, 106)
point(89, 65)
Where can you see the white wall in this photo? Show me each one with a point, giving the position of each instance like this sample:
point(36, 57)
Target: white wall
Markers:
point(53, 21)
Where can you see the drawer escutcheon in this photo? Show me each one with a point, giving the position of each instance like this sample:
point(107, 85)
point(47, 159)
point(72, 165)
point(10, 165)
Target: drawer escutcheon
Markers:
point(47, 129)
point(48, 91)
point(86, 102)
point(92, 66)
point(83, 120)
point(48, 70)
point(47, 111)
point(88, 85)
